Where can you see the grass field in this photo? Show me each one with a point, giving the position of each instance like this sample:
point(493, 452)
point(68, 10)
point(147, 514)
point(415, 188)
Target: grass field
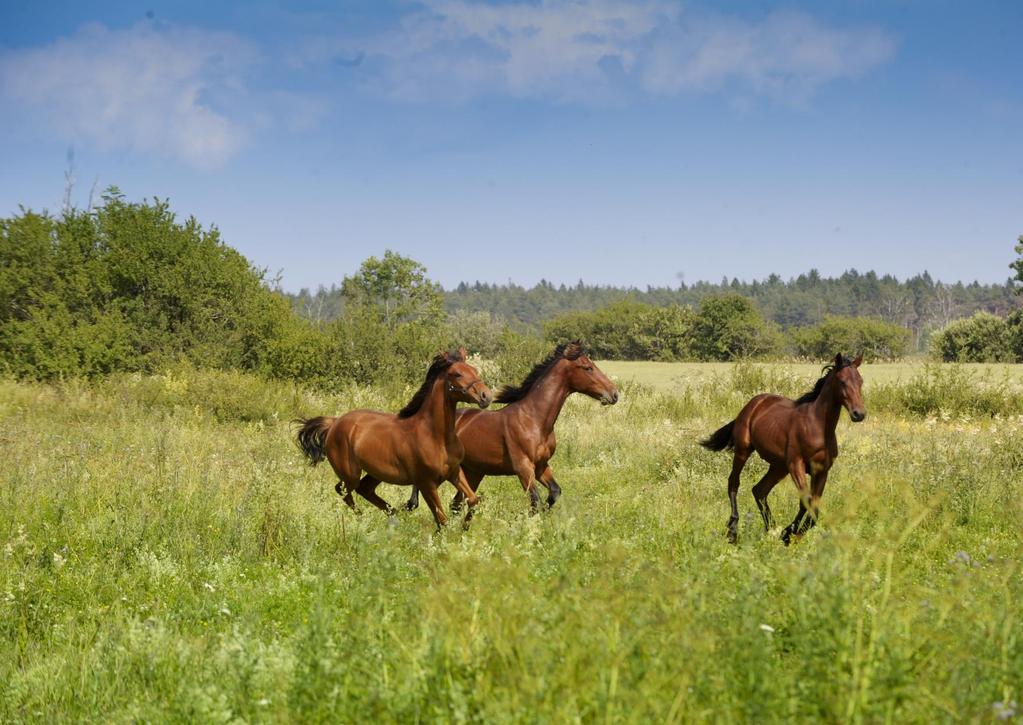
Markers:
point(167, 556)
point(670, 377)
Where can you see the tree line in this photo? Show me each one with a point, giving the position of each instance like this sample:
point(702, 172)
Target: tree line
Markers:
point(919, 304)
point(130, 287)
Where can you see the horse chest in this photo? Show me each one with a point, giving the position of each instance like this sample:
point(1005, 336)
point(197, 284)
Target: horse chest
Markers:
point(545, 449)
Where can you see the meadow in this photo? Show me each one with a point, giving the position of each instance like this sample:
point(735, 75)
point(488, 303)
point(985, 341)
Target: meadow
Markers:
point(166, 555)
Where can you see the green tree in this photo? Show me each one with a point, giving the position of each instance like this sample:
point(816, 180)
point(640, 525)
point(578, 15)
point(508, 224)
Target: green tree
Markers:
point(1018, 264)
point(981, 338)
point(730, 327)
point(130, 287)
point(398, 288)
point(875, 338)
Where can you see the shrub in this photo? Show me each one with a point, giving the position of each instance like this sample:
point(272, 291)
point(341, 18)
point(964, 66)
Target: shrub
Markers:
point(875, 338)
point(729, 327)
point(981, 338)
point(128, 287)
point(628, 330)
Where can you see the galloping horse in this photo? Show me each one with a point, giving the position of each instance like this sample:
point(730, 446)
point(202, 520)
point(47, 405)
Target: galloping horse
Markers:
point(794, 437)
point(417, 447)
point(519, 439)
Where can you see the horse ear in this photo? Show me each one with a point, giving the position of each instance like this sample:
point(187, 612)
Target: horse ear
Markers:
point(460, 354)
point(858, 360)
point(838, 360)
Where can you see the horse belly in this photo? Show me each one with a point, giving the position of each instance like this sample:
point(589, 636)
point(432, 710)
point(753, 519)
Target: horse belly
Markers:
point(382, 454)
point(485, 453)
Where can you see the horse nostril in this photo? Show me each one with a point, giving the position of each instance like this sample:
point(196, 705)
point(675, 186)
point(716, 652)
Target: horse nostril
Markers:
point(614, 397)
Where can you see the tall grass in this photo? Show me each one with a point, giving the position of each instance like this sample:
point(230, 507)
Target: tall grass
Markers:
point(167, 556)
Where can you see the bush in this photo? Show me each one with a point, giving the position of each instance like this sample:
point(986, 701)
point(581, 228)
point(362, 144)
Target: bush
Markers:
point(729, 327)
point(875, 338)
point(981, 338)
point(129, 288)
point(628, 330)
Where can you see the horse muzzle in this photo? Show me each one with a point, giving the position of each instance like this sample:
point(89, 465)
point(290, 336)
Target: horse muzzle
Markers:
point(858, 416)
point(609, 398)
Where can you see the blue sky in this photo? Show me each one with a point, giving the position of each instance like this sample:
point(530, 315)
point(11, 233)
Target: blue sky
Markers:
point(627, 143)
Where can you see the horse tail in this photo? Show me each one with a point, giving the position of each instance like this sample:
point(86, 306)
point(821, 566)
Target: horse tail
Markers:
point(312, 437)
point(721, 438)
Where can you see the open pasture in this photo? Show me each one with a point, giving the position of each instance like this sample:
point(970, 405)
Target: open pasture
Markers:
point(670, 377)
point(166, 554)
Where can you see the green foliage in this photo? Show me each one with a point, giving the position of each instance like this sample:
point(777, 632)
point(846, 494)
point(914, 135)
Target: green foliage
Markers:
point(129, 287)
point(478, 332)
point(1017, 265)
point(519, 353)
point(919, 303)
point(398, 288)
point(873, 337)
point(729, 327)
point(628, 330)
point(167, 556)
point(981, 338)
point(948, 390)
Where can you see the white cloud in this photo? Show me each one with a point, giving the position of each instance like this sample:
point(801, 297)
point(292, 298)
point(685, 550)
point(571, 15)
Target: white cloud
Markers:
point(601, 50)
point(145, 88)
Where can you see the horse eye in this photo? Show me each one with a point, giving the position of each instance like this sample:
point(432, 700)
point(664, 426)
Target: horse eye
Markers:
point(458, 375)
point(588, 369)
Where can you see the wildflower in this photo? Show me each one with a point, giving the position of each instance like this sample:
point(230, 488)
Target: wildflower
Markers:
point(1004, 710)
point(58, 560)
point(209, 587)
point(767, 628)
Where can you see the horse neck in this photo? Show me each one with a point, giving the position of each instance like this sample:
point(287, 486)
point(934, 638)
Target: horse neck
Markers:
point(828, 408)
point(438, 412)
point(545, 401)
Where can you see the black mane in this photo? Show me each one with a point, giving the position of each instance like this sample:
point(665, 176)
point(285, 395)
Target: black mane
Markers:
point(568, 351)
point(812, 395)
point(440, 363)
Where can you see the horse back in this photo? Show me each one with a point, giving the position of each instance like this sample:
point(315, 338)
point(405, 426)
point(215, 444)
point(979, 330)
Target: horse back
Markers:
point(763, 425)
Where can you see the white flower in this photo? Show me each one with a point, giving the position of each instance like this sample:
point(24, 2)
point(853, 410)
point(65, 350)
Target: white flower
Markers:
point(767, 628)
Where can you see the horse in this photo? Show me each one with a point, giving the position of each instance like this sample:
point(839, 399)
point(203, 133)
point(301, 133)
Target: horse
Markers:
point(794, 437)
point(519, 439)
point(417, 447)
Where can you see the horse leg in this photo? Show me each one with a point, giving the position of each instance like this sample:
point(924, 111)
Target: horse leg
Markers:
point(367, 488)
point(344, 490)
point(738, 461)
point(413, 500)
point(774, 474)
point(432, 498)
point(527, 478)
point(466, 489)
point(816, 491)
point(347, 469)
point(797, 470)
point(473, 479)
point(546, 477)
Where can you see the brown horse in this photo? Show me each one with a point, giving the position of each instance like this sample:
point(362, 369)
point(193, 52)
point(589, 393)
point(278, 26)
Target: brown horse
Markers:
point(519, 439)
point(794, 437)
point(417, 447)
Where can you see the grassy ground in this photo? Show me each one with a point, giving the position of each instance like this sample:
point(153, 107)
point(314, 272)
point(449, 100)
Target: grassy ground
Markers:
point(165, 555)
point(670, 377)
